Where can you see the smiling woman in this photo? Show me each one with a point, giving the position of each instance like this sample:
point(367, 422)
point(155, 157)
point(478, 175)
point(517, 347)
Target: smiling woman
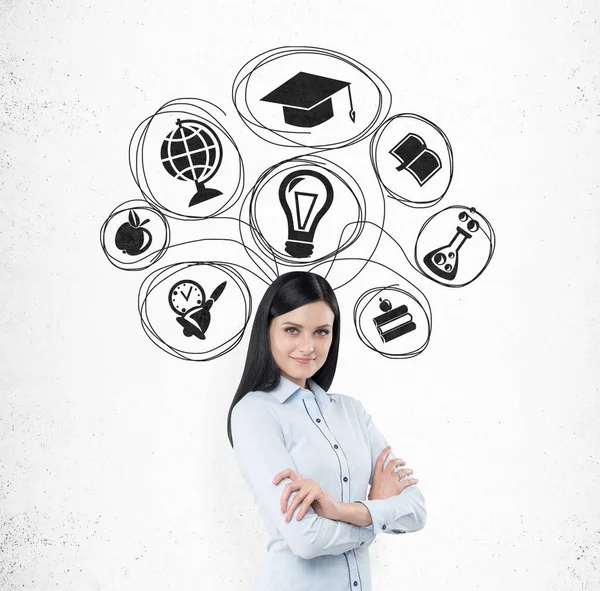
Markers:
point(307, 452)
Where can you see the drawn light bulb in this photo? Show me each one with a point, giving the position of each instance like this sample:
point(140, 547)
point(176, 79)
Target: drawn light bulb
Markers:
point(305, 196)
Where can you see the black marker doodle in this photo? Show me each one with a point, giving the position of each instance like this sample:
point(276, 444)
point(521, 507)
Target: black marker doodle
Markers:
point(180, 285)
point(126, 240)
point(187, 299)
point(306, 82)
point(457, 230)
point(288, 205)
point(396, 328)
point(185, 138)
point(305, 195)
point(282, 212)
point(193, 152)
point(131, 238)
point(423, 150)
point(306, 99)
point(414, 157)
point(394, 322)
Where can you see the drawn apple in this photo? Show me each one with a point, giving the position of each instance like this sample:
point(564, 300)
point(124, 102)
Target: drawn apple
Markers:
point(385, 305)
point(131, 238)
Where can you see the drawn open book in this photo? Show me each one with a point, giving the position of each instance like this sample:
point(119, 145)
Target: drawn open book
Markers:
point(415, 157)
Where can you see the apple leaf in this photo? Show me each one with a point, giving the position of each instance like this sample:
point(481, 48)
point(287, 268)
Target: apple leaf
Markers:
point(134, 220)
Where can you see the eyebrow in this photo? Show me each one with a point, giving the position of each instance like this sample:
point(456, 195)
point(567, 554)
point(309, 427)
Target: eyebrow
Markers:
point(300, 326)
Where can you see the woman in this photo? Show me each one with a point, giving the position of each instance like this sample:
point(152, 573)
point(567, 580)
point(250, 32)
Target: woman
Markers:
point(309, 456)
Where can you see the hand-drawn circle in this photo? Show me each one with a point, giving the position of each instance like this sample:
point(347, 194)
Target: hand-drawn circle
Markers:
point(309, 97)
point(167, 327)
point(272, 228)
point(135, 235)
point(397, 325)
point(175, 151)
point(412, 159)
point(455, 246)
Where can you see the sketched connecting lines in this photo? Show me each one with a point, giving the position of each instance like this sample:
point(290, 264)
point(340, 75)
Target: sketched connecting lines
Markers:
point(309, 97)
point(198, 294)
point(303, 211)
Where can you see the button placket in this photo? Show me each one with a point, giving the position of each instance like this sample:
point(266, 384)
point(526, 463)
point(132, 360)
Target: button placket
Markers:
point(345, 481)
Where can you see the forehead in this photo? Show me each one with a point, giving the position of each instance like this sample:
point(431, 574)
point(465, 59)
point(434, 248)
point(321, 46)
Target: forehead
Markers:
point(313, 314)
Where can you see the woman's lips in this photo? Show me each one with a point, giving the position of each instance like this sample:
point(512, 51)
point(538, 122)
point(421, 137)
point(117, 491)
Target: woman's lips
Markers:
point(301, 360)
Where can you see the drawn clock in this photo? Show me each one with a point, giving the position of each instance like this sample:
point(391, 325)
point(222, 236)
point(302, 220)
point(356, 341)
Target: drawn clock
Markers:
point(186, 295)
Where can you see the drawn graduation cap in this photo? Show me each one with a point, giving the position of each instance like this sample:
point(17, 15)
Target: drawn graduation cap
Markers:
point(306, 99)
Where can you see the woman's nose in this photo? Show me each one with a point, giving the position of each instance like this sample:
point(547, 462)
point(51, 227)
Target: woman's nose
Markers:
point(305, 344)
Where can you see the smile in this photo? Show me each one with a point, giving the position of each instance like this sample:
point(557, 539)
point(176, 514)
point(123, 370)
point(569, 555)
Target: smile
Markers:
point(300, 360)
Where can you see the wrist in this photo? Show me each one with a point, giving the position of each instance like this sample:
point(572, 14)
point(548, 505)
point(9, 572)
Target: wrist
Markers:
point(355, 513)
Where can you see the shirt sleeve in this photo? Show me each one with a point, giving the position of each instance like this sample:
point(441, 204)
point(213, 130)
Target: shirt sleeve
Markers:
point(401, 513)
point(260, 454)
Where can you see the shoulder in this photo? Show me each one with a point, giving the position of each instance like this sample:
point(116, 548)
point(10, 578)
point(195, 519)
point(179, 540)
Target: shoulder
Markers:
point(348, 402)
point(256, 405)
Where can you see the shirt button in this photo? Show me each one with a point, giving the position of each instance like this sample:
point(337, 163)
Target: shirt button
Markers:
point(318, 420)
point(361, 543)
point(335, 445)
point(383, 527)
point(345, 479)
point(356, 583)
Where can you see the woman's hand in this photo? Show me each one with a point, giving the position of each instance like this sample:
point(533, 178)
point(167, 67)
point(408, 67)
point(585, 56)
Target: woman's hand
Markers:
point(386, 483)
point(309, 493)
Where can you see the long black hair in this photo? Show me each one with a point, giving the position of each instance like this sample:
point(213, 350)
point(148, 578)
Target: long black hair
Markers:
point(288, 292)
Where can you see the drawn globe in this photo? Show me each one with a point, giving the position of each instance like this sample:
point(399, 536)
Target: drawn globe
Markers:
point(192, 151)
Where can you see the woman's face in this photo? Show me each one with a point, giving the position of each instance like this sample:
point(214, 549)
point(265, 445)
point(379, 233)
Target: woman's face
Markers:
point(302, 334)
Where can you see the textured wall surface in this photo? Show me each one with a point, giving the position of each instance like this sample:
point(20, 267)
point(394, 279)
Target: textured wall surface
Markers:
point(115, 468)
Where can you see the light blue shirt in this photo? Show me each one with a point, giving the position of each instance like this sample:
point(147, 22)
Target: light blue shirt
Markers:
point(332, 439)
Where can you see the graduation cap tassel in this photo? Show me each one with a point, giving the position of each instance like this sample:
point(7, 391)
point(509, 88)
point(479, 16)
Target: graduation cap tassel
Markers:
point(352, 112)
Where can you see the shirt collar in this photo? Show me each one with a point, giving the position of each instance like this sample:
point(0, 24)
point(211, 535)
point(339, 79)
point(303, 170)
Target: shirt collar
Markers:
point(286, 388)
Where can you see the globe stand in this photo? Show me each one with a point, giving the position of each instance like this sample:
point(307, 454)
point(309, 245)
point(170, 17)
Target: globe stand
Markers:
point(203, 194)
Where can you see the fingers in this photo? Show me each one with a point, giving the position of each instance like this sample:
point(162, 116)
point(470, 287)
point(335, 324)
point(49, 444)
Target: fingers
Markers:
point(381, 458)
point(305, 496)
point(402, 473)
point(287, 473)
point(393, 463)
point(308, 501)
point(406, 483)
point(287, 491)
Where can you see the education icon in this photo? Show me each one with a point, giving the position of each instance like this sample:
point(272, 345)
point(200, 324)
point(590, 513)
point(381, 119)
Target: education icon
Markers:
point(306, 99)
point(193, 151)
point(305, 195)
point(187, 300)
point(416, 158)
point(131, 238)
point(216, 323)
point(309, 97)
point(394, 322)
point(455, 234)
point(182, 147)
point(400, 324)
point(301, 211)
point(135, 235)
point(412, 159)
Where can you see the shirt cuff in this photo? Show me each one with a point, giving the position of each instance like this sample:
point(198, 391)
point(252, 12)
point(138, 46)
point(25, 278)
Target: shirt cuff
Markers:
point(382, 515)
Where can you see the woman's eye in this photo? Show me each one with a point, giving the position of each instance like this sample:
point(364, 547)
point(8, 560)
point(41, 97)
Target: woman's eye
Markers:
point(325, 332)
point(290, 328)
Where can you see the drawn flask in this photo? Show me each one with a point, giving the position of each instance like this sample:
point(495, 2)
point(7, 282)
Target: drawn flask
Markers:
point(443, 261)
